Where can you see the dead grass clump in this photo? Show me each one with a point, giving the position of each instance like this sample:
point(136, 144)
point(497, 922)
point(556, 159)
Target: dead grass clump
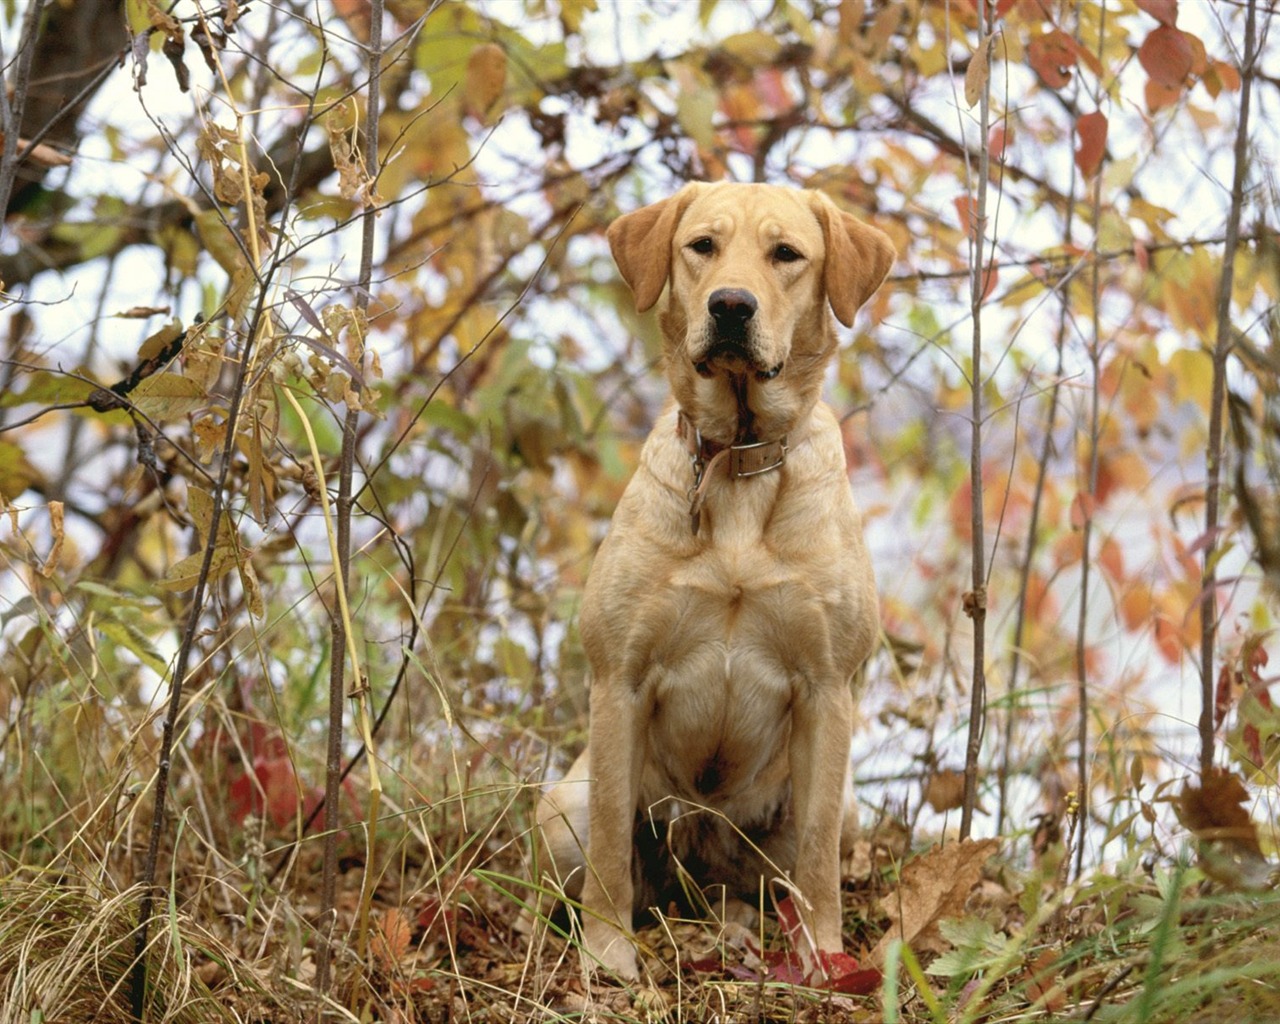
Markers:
point(66, 948)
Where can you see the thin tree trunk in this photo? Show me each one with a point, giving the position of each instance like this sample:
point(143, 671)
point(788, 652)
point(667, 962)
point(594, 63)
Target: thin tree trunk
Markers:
point(1214, 447)
point(343, 504)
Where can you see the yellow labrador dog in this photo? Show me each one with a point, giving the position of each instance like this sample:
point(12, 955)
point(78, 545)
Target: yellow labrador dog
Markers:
point(732, 603)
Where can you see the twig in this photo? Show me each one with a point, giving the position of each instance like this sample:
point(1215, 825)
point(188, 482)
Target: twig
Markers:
point(340, 625)
point(975, 601)
point(1214, 446)
point(1087, 507)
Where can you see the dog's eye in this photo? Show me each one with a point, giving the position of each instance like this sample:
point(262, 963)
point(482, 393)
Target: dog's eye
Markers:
point(703, 246)
point(786, 254)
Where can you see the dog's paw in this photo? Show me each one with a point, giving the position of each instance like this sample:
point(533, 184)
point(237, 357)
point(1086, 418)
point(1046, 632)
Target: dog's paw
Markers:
point(607, 951)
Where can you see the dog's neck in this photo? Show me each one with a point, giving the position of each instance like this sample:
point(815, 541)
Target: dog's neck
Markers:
point(745, 459)
point(730, 410)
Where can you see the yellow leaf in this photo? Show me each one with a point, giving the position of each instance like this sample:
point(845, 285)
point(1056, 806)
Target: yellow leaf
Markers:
point(183, 574)
point(159, 341)
point(571, 12)
point(219, 240)
point(167, 396)
point(1192, 371)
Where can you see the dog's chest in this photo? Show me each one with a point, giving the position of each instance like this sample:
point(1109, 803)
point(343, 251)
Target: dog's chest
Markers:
point(738, 636)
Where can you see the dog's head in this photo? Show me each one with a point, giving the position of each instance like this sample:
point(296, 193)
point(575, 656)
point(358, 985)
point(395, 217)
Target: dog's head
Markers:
point(751, 270)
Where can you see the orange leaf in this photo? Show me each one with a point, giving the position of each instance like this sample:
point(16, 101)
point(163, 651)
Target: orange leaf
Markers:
point(1160, 96)
point(1167, 56)
point(1164, 11)
point(390, 941)
point(1111, 558)
point(1052, 56)
point(967, 210)
point(1228, 75)
point(1135, 606)
point(1092, 131)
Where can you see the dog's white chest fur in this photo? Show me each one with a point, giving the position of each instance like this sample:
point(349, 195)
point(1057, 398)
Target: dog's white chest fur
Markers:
point(719, 684)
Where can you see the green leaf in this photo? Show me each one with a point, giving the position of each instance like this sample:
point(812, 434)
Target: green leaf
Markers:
point(48, 387)
point(16, 473)
point(132, 639)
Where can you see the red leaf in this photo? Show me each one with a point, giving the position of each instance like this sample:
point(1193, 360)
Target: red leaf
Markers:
point(967, 211)
point(281, 787)
point(845, 974)
point(1052, 56)
point(1092, 131)
point(789, 918)
point(1223, 695)
point(998, 141)
point(1164, 11)
point(1167, 56)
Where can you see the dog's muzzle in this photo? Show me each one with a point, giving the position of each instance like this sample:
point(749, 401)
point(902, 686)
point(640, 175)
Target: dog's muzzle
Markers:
point(729, 330)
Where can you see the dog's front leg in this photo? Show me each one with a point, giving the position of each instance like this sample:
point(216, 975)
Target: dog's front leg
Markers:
point(608, 891)
point(822, 729)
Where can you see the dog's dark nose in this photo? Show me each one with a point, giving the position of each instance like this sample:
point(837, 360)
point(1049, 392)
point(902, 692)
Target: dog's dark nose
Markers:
point(731, 308)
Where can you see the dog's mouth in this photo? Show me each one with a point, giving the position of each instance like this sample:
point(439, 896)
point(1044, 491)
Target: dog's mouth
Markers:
point(730, 355)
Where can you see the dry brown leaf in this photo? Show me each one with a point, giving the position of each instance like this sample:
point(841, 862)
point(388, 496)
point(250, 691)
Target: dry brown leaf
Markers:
point(945, 791)
point(979, 70)
point(1216, 812)
point(55, 528)
point(142, 312)
point(933, 886)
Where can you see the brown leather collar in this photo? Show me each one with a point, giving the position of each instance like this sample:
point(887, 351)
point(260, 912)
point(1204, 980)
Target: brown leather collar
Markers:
point(743, 460)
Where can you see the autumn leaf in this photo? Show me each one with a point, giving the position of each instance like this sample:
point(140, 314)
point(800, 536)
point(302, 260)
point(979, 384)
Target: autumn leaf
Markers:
point(1052, 56)
point(142, 312)
point(1164, 11)
point(945, 791)
point(390, 940)
point(50, 565)
point(933, 886)
point(979, 70)
point(167, 396)
point(1091, 130)
point(486, 79)
point(1167, 57)
point(1215, 812)
point(185, 573)
point(998, 141)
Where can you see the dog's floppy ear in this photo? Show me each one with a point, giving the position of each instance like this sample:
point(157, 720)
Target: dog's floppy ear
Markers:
point(641, 245)
point(858, 258)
